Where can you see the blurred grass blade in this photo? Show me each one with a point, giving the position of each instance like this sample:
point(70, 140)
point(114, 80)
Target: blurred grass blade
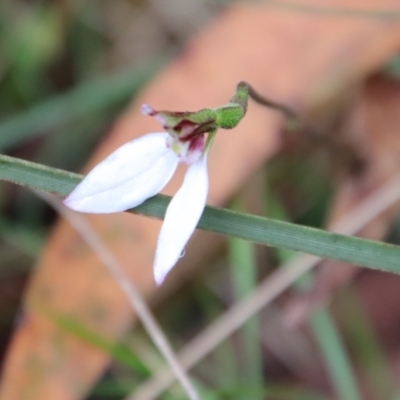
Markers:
point(116, 351)
point(110, 388)
point(274, 391)
point(362, 252)
point(242, 259)
point(28, 241)
point(225, 361)
point(392, 68)
point(78, 102)
point(336, 359)
point(368, 352)
point(244, 273)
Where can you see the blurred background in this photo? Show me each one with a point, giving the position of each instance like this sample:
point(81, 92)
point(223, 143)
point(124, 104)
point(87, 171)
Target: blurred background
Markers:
point(68, 69)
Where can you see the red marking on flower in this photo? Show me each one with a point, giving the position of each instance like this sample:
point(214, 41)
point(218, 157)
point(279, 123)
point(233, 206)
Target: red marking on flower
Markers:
point(197, 144)
point(184, 129)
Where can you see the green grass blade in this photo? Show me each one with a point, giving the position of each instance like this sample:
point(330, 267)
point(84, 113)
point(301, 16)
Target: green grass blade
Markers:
point(78, 102)
point(362, 252)
point(336, 359)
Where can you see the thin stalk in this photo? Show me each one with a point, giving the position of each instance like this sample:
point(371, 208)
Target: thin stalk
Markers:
point(137, 302)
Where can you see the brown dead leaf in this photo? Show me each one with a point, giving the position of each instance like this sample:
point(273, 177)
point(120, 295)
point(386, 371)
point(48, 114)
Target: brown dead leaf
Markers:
point(373, 124)
point(293, 57)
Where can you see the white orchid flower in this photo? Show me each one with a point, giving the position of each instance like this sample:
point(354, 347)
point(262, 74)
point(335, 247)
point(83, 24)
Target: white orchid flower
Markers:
point(140, 169)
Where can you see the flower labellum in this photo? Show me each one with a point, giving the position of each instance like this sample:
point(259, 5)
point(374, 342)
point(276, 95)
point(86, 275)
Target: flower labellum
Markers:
point(141, 168)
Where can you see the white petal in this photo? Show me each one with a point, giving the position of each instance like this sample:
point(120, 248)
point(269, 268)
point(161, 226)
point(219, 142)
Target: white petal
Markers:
point(181, 218)
point(126, 178)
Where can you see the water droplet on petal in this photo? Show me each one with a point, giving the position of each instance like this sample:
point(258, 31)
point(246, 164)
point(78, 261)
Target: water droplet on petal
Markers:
point(183, 253)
